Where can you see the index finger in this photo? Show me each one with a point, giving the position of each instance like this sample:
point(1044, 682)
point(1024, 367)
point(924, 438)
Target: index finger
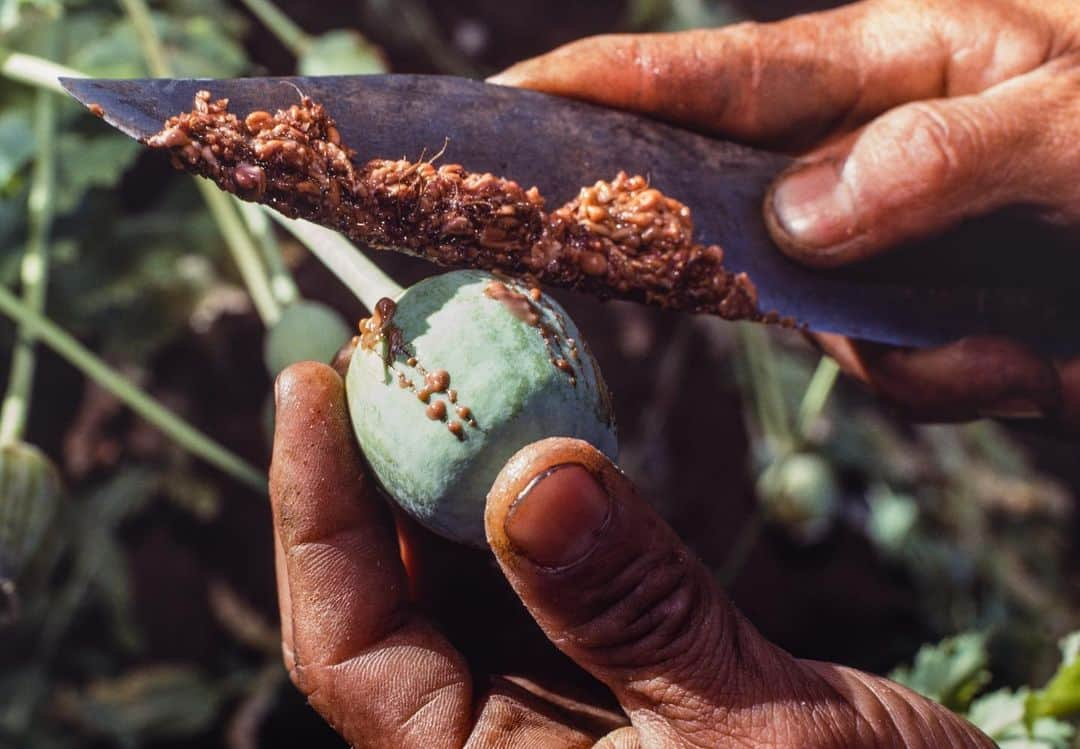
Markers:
point(370, 665)
point(967, 379)
point(797, 80)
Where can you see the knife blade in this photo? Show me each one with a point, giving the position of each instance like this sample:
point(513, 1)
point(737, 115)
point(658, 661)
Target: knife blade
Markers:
point(1001, 276)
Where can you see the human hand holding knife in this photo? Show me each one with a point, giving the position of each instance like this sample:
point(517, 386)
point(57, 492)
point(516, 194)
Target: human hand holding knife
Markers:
point(997, 286)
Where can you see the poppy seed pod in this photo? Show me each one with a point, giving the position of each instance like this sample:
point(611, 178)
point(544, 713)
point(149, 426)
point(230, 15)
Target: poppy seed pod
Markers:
point(800, 492)
point(306, 331)
point(454, 377)
point(30, 495)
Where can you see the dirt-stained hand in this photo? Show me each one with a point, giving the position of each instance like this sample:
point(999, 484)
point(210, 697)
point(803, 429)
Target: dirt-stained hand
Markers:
point(910, 116)
point(609, 584)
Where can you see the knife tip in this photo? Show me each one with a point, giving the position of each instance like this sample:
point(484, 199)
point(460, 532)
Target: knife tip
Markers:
point(73, 86)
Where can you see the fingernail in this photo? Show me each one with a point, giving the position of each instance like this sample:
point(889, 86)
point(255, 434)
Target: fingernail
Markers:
point(814, 206)
point(513, 75)
point(506, 77)
point(558, 518)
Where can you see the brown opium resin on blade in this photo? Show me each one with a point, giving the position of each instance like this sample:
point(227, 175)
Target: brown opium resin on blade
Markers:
point(615, 239)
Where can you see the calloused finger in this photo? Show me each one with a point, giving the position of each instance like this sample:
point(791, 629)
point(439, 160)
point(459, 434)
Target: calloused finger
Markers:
point(1069, 373)
point(793, 81)
point(927, 166)
point(284, 604)
point(615, 589)
point(972, 378)
point(623, 738)
point(378, 673)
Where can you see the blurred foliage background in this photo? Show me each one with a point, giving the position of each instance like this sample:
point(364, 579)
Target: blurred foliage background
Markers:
point(137, 601)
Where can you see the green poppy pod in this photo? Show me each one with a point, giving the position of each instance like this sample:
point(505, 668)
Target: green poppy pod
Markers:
point(30, 495)
point(454, 377)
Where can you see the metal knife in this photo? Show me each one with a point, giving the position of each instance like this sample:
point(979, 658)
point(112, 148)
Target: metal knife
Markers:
point(1000, 276)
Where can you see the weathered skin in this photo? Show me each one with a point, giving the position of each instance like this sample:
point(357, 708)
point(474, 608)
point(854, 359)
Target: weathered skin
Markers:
point(910, 116)
point(369, 616)
point(500, 368)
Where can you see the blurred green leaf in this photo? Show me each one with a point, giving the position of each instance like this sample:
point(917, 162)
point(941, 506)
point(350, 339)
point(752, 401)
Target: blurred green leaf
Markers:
point(21, 690)
point(113, 52)
point(648, 14)
point(123, 494)
point(134, 282)
point(341, 52)
point(84, 162)
point(951, 672)
point(16, 144)
point(197, 46)
point(222, 12)
point(1070, 647)
point(1000, 715)
point(1060, 697)
point(113, 583)
point(13, 12)
point(129, 269)
point(151, 703)
point(679, 15)
point(82, 29)
point(99, 514)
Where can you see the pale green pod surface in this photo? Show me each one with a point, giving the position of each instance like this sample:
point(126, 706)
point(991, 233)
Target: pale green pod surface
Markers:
point(307, 331)
point(30, 495)
point(504, 368)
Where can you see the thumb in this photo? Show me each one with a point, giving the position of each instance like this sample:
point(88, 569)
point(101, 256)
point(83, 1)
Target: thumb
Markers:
point(926, 166)
point(613, 587)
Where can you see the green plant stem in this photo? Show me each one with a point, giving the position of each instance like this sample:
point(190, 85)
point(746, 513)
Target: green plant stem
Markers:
point(280, 25)
point(34, 270)
point(245, 253)
point(258, 223)
point(149, 409)
point(344, 259)
point(817, 393)
point(148, 37)
point(65, 605)
point(772, 410)
point(266, 294)
point(34, 71)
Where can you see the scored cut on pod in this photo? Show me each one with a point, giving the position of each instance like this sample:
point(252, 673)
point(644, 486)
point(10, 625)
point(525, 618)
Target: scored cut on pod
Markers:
point(454, 377)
